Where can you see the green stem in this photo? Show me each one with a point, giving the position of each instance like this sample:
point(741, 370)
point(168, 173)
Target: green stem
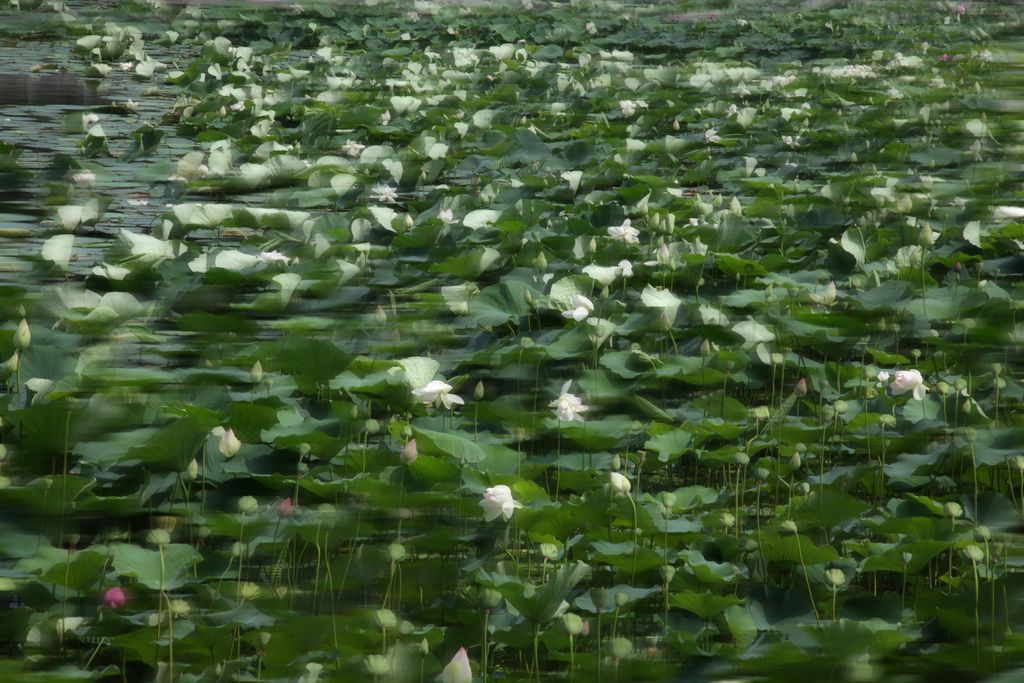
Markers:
point(632, 573)
point(807, 580)
point(536, 648)
point(483, 655)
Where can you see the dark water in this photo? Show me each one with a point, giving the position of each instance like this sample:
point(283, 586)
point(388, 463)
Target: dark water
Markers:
point(46, 89)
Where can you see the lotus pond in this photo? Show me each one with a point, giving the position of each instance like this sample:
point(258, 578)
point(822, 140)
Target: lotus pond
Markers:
point(541, 341)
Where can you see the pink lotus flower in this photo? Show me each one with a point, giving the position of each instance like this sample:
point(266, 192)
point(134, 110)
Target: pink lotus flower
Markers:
point(908, 380)
point(114, 598)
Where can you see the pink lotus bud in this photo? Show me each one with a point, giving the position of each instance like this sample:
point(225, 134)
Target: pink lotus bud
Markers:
point(458, 670)
point(801, 387)
point(586, 628)
point(285, 507)
point(409, 453)
point(229, 443)
point(114, 598)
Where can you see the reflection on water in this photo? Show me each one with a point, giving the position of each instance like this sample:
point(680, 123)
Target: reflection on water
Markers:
point(43, 89)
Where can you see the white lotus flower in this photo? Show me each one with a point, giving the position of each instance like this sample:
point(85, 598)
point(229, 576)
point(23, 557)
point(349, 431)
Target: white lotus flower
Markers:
point(498, 501)
point(625, 232)
point(908, 380)
point(437, 392)
point(273, 257)
point(84, 178)
point(385, 194)
point(1008, 212)
point(626, 268)
point(581, 308)
point(883, 376)
point(628, 108)
point(826, 298)
point(352, 148)
point(446, 216)
point(620, 484)
point(711, 135)
point(591, 28)
point(568, 406)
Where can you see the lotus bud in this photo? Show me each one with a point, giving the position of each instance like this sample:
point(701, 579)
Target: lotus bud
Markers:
point(926, 237)
point(386, 619)
point(953, 510)
point(621, 599)
point(377, 665)
point(424, 648)
point(668, 499)
point(541, 262)
point(371, 426)
point(982, 533)
point(490, 598)
point(750, 545)
point(840, 407)
point(549, 551)
point(600, 597)
point(619, 483)
point(906, 557)
point(887, 420)
point(835, 578)
point(616, 462)
point(229, 443)
point(974, 553)
point(621, 647)
point(572, 623)
point(788, 528)
point(256, 373)
point(10, 365)
point(22, 336)
point(592, 246)
point(795, 460)
point(705, 348)
point(762, 473)
point(728, 520)
point(114, 598)
point(192, 471)
point(478, 391)
point(285, 508)
point(409, 453)
point(667, 573)
point(803, 488)
point(396, 551)
point(158, 537)
point(741, 459)
point(264, 638)
point(247, 504)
